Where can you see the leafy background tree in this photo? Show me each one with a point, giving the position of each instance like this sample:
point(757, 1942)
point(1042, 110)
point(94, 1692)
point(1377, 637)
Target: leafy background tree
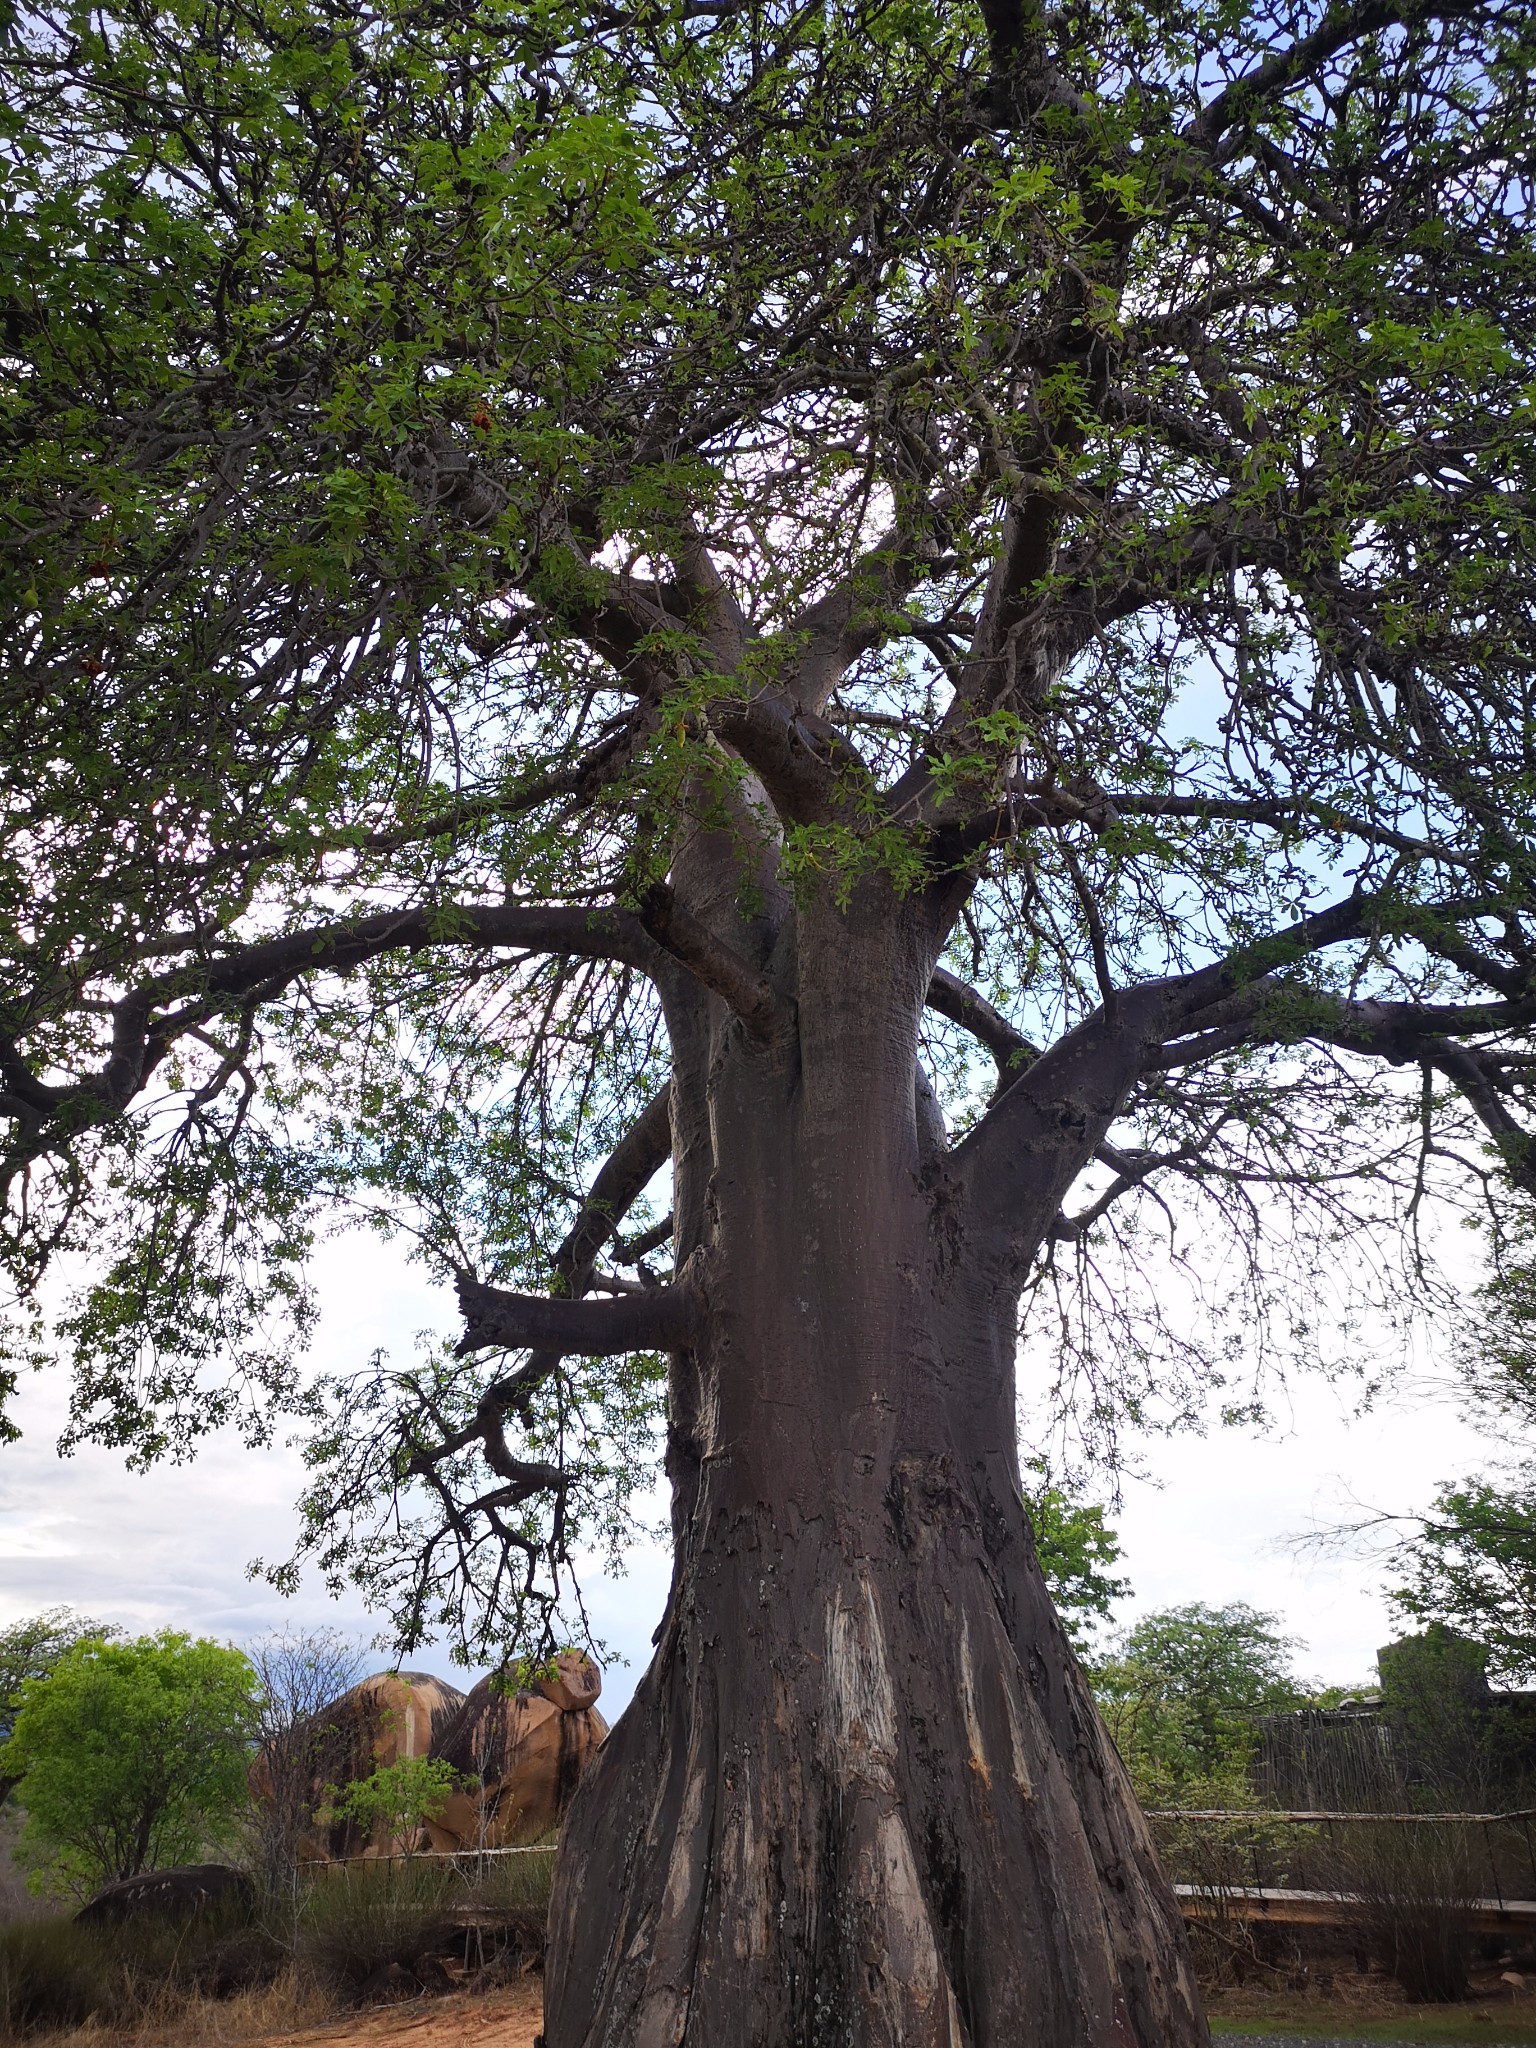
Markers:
point(132, 1756)
point(29, 1649)
point(1466, 1565)
point(1470, 1565)
point(1078, 1551)
point(1183, 1691)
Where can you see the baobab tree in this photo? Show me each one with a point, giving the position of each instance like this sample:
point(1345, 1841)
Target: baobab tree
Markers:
point(598, 600)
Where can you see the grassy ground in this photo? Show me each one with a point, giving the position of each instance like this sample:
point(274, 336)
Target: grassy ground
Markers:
point(1465, 2027)
point(1275, 2017)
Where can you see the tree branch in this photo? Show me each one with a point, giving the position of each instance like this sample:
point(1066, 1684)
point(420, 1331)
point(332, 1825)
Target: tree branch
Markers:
point(805, 765)
point(960, 1003)
point(1023, 1156)
point(854, 615)
point(604, 934)
point(259, 972)
point(661, 1319)
point(717, 966)
point(639, 1155)
point(1340, 27)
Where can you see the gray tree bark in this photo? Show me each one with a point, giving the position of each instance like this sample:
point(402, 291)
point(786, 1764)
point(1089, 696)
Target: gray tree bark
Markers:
point(862, 1795)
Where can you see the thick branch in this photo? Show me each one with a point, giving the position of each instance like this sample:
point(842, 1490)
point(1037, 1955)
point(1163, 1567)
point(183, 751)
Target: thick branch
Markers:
point(1004, 664)
point(960, 1003)
point(258, 973)
point(1197, 996)
point(1023, 1156)
point(712, 962)
point(805, 765)
point(639, 1155)
point(1463, 1066)
point(1276, 1011)
point(661, 1319)
point(272, 963)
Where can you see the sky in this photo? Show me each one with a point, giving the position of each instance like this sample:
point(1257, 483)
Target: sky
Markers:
point(1213, 1521)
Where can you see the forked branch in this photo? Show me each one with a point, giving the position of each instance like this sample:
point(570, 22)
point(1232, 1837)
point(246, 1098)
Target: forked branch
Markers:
point(961, 1004)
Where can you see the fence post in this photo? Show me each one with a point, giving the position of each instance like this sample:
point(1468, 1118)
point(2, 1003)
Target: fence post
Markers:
point(1493, 1863)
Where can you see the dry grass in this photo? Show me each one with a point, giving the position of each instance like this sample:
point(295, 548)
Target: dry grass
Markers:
point(180, 2020)
point(354, 1939)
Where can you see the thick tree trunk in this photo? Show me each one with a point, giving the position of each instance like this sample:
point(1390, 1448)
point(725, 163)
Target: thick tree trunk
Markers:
point(862, 1796)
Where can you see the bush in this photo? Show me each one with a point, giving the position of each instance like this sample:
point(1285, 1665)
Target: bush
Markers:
point(58, 1973)
point(364, 1932)
point(1414, 1883)
point(516, 1883)
point(370, 1929)
point(359, 1920)
point(395, 1800)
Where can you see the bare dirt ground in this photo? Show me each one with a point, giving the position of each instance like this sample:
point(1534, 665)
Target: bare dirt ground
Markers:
point(509, 2018)
point(505, 2018)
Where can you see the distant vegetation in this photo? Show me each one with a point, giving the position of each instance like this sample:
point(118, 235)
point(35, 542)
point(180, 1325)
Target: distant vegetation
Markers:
point(1183, 1692)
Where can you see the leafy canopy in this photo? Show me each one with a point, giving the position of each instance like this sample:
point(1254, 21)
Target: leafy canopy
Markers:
point(1470, 1565)
point(132, 1756)
point(451, 458)
point(30, 1648)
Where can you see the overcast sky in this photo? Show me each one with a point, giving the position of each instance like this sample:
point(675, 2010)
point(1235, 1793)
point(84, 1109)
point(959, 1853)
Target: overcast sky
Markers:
point(170, 1548)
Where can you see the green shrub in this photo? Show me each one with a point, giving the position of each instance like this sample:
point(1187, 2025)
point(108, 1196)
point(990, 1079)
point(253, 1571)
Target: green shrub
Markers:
point(394, 1800)
point(360, 1921)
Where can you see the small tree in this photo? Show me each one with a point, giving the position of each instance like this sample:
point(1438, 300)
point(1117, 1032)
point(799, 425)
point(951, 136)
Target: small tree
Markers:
point(1470, 1564)
point(1183, 1692)
point(298, 1673)
point(132, 1756)
point(396, 1799)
